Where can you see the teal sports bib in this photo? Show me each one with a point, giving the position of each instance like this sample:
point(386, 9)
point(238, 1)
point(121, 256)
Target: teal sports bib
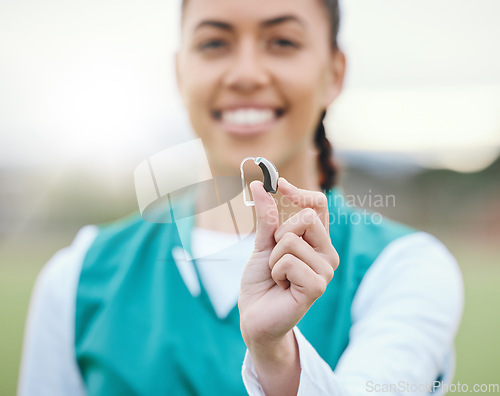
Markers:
point(139, 331)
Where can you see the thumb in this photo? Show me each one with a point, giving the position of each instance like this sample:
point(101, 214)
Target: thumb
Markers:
point(267, 216)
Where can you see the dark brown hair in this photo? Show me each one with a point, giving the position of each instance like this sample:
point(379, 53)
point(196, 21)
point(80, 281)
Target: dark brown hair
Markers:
point(327, 167)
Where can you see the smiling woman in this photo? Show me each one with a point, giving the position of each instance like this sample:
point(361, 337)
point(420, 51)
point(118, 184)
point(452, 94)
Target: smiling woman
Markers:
point(320, 303)
point(246, 70)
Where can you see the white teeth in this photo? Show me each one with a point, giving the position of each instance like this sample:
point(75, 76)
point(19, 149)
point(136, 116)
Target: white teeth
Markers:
point(248, 116)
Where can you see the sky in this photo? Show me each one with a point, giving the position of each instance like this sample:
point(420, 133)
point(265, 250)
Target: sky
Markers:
point(93, 83)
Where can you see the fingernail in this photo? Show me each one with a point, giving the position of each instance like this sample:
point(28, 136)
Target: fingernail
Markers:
point(284, 180)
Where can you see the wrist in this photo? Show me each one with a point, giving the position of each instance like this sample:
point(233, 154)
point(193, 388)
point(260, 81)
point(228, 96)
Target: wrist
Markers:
point(276, 353)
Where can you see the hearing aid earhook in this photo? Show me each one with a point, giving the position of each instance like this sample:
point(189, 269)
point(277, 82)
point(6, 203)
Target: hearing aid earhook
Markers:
point(270, 173)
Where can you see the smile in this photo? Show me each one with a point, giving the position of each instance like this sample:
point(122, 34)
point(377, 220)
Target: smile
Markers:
point(246, 121)
point(248, 116)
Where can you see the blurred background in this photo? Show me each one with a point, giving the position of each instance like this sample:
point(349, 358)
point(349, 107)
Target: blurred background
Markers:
point(87, 92)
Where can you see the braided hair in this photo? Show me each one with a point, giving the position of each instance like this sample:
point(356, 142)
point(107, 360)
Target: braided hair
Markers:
point(327, 166)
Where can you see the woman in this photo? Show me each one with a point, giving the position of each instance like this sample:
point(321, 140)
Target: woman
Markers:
point(121, 311)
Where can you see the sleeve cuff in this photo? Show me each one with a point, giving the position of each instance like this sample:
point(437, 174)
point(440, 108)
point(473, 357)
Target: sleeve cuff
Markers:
point(316, 376)
point(250, 378)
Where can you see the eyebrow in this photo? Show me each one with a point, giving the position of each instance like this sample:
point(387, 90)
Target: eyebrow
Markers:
point(266, 24)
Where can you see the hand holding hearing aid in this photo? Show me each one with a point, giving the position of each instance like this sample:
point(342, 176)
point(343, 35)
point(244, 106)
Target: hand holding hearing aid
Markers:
point(290, 267)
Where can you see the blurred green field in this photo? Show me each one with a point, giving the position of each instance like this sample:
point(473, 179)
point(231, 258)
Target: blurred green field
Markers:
point(478, 348)
point(15, 289)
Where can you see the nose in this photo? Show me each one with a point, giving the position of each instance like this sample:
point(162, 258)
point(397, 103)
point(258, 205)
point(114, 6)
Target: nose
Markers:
point(247, 71)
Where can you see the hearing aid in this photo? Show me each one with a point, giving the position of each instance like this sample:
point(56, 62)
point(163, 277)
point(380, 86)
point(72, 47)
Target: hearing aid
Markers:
point(270, 173)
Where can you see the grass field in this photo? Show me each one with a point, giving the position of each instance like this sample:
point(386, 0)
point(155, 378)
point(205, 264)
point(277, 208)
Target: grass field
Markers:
point(477, 344)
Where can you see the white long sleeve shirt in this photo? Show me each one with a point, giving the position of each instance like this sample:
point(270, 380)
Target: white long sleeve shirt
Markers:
point(405, 315)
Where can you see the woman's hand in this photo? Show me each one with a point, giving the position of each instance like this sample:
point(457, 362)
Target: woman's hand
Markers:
point(289, 269)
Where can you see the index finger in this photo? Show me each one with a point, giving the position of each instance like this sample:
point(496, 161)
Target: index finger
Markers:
point(306, 199)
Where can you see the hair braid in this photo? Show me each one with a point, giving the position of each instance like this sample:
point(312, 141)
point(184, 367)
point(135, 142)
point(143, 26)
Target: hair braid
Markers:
point(327, 167)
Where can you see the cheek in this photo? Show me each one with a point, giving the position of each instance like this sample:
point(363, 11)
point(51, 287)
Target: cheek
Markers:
point(194, 79)
point(198, 91)
point(305, 81)
point(305, 92)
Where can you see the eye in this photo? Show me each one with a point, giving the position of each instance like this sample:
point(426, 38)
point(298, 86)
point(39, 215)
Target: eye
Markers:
point(212, 45)
point(284, 43)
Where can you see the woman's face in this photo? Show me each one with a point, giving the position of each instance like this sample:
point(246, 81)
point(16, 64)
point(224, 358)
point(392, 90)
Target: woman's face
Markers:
point(256, 75)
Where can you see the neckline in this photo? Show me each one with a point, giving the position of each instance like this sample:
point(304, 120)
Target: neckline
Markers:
point(186, 227)
point(204, 298)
